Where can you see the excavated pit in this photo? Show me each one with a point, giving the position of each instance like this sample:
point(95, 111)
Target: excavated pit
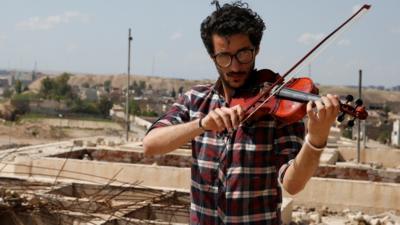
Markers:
point(141, 204)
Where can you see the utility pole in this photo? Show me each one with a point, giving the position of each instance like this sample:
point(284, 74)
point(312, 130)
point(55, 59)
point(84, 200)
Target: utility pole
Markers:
point(34, 71)
point(128, 84)
point(358, 120)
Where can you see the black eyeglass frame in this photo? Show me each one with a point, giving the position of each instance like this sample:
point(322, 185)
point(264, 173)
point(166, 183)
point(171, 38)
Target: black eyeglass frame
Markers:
point(234, 55)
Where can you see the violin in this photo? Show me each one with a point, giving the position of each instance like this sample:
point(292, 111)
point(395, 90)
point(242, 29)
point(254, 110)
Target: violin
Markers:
point(288, 104)
point(285, 100)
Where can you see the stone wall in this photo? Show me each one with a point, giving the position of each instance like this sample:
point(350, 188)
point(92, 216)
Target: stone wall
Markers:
point(389, 158)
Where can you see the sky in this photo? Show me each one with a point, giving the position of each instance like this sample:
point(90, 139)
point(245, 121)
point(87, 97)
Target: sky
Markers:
point(91, 36)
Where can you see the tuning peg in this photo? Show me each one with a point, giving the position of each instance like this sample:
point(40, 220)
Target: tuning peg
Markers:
point(350, 123)
point(349, 98)
point(359, 102)
point(341, 116)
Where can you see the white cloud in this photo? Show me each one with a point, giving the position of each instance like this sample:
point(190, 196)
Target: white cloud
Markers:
point(309, 38)
point(344, 42)
point(47, 23)
point(176, 36)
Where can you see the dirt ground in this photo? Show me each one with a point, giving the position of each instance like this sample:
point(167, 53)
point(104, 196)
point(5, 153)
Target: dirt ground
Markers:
point(29, 133)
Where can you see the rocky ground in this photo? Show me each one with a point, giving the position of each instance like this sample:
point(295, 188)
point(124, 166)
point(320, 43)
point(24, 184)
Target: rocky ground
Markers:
point(324, 215)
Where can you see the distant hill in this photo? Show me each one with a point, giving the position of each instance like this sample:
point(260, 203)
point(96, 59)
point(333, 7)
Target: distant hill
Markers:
point(120, 81)
point(369, 96)
point(374, 96)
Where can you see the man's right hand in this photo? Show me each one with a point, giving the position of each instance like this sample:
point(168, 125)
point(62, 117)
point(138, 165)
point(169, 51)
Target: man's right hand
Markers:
point(223, 118)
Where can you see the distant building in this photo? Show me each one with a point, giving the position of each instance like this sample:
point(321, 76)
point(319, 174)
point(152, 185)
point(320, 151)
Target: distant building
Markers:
point(88, 94)
point(396, 133)
point(101, 92)
point(396, 88)
point(24, 77)
point(4, 82)
point(116, 94)
point(117, 111)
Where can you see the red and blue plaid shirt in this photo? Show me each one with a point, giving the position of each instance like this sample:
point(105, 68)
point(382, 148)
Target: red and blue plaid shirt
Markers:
point(234, 177)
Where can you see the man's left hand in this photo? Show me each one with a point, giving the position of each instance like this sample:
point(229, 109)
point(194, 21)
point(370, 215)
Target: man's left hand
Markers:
point(321, 118)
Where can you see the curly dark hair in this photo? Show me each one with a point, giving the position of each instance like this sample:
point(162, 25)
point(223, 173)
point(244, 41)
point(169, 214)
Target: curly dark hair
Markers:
point(230, 19)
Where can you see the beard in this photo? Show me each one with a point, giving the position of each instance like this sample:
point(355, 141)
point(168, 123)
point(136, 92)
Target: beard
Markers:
point(228, 77)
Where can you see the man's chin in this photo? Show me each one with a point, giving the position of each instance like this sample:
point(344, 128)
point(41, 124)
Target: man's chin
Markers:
point(235, 85)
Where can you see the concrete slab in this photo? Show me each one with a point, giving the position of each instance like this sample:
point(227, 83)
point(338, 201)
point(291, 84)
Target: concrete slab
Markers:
point(329, 156)
point(286, 210)
point(340, 194)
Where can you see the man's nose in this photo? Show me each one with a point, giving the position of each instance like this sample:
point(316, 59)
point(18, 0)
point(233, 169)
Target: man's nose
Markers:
point(235, 65)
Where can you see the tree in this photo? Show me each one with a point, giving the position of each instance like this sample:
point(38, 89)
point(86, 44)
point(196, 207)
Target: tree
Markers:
point(135, 85)
point(57, 88)
point(18, 86)
point(7, 93)
point(21, 103)
point(85, 85)
point(134, 107)
point(107, 86)
point(180, 90)
point(46, 87)
point(173, 93)
point(150, 113)
point(138, 92)
point(84, 106)
point(62, 88)
point(104, 105)
point(142, 85)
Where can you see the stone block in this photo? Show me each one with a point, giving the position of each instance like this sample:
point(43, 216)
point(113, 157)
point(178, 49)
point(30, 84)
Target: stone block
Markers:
point(78, 143)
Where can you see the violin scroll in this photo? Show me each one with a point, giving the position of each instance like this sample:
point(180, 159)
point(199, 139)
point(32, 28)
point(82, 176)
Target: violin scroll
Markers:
point(357, 111)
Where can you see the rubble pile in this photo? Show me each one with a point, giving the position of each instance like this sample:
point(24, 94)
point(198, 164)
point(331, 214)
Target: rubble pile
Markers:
point(324, 215)
point(10, 199)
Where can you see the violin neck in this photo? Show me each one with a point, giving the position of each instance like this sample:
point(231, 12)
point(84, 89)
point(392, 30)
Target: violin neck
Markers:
point(298, 96)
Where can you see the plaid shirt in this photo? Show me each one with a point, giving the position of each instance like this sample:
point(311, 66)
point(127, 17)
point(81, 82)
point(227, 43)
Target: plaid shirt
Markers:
point(234, 177)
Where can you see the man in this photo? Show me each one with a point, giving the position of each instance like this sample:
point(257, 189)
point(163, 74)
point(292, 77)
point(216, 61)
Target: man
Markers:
point(237, 168)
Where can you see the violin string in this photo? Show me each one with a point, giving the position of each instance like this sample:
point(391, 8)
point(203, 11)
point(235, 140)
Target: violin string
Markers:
point(312, 57)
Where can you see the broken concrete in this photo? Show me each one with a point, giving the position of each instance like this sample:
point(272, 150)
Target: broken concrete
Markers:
point(100, 163)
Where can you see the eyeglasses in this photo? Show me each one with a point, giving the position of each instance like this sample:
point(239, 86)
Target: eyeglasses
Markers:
point(243, 56)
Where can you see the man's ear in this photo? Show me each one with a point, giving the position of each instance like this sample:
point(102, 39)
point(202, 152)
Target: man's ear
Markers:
point(257, 50)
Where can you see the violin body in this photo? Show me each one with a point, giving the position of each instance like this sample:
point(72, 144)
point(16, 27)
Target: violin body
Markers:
point(282, 108)
point(288, 110)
